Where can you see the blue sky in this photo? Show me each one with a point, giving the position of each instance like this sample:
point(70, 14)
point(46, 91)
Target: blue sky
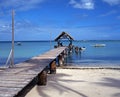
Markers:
point(46, 19)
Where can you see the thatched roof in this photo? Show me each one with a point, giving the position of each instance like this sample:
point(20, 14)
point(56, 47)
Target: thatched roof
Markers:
point(64, 35)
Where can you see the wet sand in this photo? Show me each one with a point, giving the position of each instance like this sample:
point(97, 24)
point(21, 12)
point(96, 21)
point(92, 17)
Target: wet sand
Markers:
point(80, 83)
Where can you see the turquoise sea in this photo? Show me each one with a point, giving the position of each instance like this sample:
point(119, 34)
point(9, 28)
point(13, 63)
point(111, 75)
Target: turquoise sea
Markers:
point(108, 56)
point(92, 56)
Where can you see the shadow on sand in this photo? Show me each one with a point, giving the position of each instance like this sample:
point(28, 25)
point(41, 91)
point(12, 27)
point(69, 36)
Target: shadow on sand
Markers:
point(55, 83)
point(110, 82)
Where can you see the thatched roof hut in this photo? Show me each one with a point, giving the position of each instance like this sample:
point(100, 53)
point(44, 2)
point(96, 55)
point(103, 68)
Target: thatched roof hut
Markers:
point(64, 36)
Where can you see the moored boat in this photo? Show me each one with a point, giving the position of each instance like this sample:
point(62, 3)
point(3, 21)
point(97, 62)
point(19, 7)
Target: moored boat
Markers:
point(99, 45)
point(19, 43)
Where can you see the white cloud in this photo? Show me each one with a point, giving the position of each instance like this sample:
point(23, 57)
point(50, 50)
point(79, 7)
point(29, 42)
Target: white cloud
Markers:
point(82, 4)
point(20, 4)
point(5, 27)
point(108, 13)
point(112, 2)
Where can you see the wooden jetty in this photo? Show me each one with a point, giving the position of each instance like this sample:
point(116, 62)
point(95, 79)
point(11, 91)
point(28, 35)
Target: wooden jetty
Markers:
point(14, 80)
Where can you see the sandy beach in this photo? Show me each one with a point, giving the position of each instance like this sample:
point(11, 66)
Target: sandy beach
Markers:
point(80, 83)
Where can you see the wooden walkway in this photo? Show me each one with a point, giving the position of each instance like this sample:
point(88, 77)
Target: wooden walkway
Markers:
point(13, 80)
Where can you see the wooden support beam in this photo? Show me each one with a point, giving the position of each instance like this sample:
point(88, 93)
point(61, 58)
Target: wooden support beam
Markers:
point(42, 78)
point(53, 67)
point(61, 60)
point(12, 60)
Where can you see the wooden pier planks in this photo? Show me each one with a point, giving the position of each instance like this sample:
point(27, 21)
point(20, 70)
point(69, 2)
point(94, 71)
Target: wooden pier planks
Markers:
point(13, 80)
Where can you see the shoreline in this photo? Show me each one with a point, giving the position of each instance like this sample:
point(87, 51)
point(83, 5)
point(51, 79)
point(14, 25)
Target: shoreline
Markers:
point(80, 83)
point(104, 65)
point(91, 67)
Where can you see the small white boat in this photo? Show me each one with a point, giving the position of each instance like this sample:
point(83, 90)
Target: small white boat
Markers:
point(82, 48)
point(19, 43)
point(99, 45)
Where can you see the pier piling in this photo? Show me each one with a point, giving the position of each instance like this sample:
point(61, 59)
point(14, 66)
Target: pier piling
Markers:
point(42, 78)
point(53, 67)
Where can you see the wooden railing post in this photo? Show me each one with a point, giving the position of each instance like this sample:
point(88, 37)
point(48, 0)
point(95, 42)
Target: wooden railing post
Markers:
point(53, 67)
point(61, 60)
point(42, 78)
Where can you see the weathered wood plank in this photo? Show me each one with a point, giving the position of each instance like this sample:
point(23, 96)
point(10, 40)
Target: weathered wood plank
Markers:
point(6, 95)
point(21, 70)
point(19, 79)
point(13, 85)
point(14, 82)
point(9, 92)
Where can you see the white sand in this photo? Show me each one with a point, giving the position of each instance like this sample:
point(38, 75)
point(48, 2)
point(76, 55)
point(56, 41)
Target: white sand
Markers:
point(80, 83)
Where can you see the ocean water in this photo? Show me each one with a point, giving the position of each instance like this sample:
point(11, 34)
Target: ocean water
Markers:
point(92, 56)
point(96, 56)
point(24, 51)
